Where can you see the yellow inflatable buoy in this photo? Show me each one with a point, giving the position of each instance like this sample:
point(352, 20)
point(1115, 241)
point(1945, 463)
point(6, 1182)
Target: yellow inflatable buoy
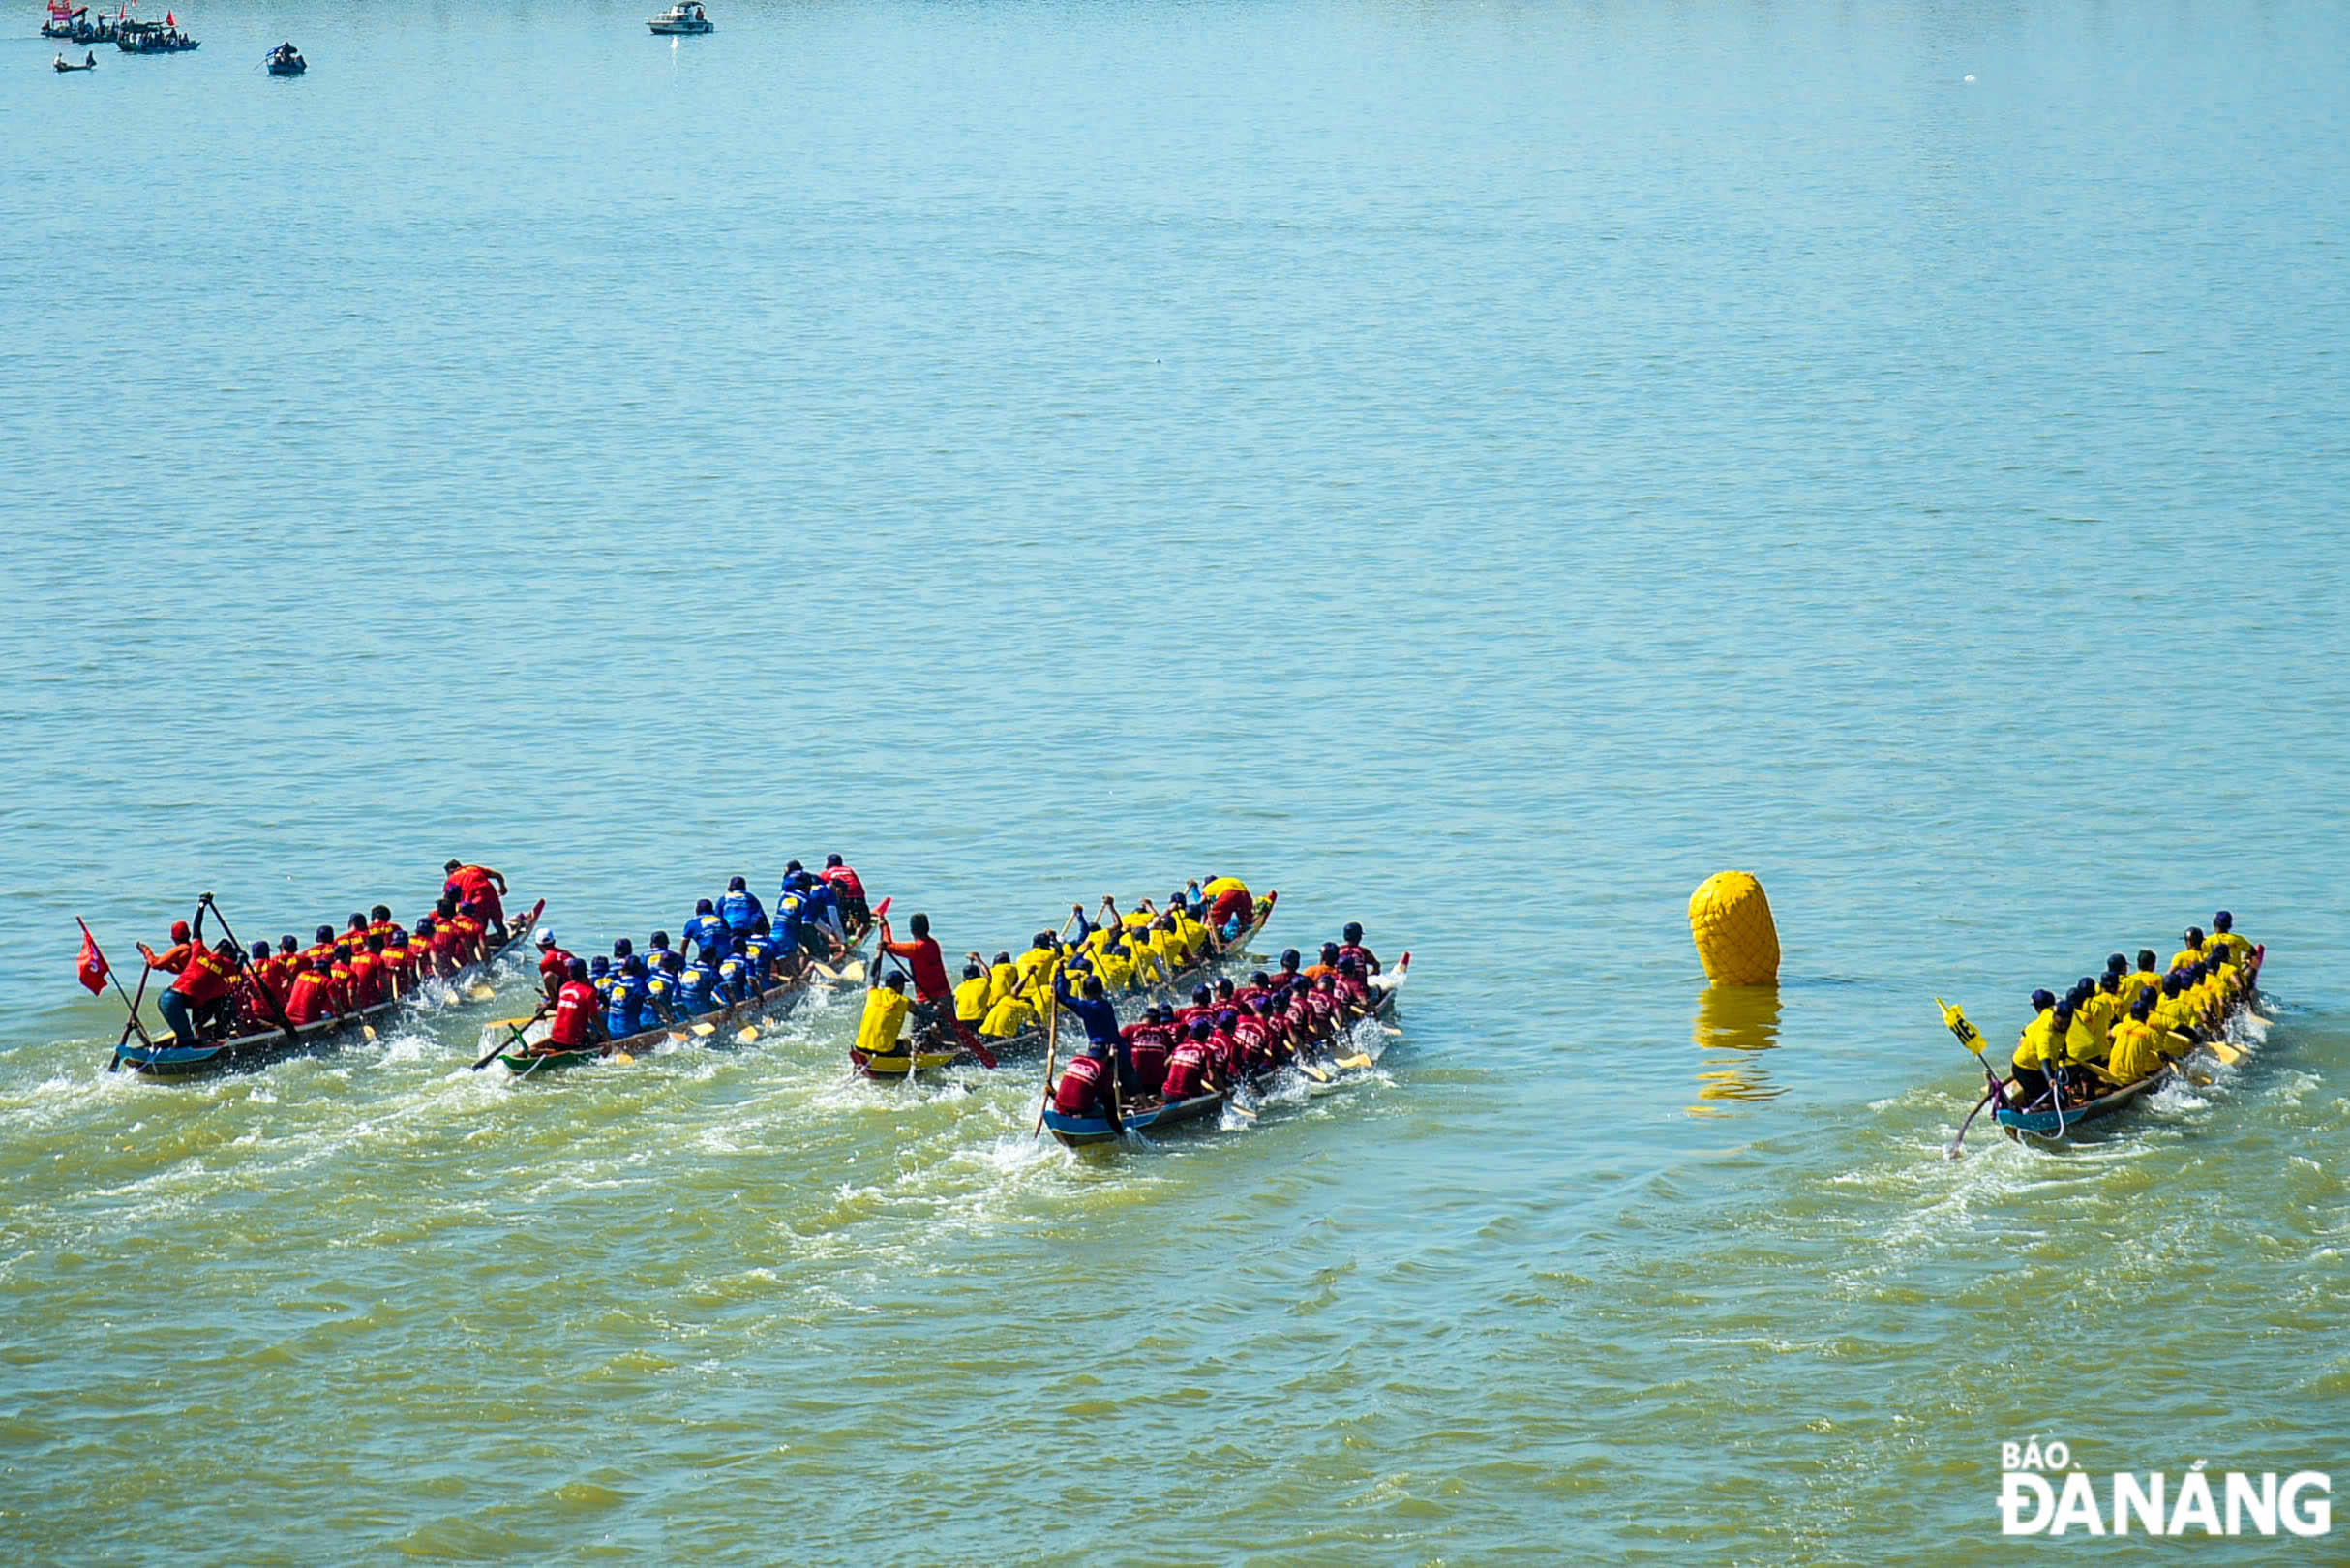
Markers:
point(1737, 941)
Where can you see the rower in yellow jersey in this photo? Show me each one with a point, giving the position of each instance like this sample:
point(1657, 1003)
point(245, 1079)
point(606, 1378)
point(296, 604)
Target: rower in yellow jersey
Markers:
point(2191, 951)
point(2144, 979)
point(2223, 929)
point(1116, 969)
point(885, 1009)
point(1038, 960)
point(2175, 1011)
point(1003, 977)
point(2137, 1046)
point(1008, 1017)
point(2098, 1011)
point(2033, 1050)
point(971, 992)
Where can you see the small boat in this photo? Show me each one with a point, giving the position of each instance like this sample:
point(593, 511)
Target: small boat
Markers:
point(2045, 1122)
point(287, 61)
point(769, 1006)
point(1030, 1041)
point(685, 16)
point(63, 65)
point(65, 21)
point(163, 1060)
point(153, 37)
point(1077, 1132)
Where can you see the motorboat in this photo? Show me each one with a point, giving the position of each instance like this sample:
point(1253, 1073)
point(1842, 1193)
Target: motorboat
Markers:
point(685, 16)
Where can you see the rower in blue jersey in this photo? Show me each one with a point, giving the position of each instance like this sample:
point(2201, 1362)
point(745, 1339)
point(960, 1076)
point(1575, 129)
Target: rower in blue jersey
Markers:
point(662, 988)
point(654, 953)
point(825, 903)
point(760, 949)
point(697, 987)
point(599, 976)
point(623, 949)
point(627, 1007)
point(706, 934)
point(1099, 1015)
point(735, 980)
point(739, 906)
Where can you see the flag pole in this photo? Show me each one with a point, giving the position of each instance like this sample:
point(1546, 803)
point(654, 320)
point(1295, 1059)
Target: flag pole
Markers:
point(127, 1001)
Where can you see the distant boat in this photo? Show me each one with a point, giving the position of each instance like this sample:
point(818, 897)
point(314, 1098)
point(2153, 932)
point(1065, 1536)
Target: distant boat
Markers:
point(287, 61)
point(90, 64)
point(154, 38)
point(685, 16)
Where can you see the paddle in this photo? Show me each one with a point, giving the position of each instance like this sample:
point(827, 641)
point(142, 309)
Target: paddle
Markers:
point(130, 1022)
point(1052, 1049)
point(513, 1039)
point(2228, 1054)
point(251, 979)
point(1972, 1038)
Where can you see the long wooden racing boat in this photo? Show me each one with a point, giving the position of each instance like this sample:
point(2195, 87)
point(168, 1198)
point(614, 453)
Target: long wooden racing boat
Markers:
point(933, 1053)
point(2045, 1122)
point(769, 1006)
point(1077, 1132)
point(246, 1051)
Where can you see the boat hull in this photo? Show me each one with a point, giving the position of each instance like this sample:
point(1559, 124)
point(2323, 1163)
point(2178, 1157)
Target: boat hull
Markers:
point(250, 1051)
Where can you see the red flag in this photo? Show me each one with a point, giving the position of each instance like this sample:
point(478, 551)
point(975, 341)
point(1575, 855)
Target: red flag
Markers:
point(169, 21)
point(94, 969)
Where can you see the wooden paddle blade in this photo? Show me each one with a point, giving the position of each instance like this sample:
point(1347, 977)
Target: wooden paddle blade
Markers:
point(1353, 1063)
point(853, 973)
point(624, 1058)
point(750, 1031)
point(703, 1031)
point(480, 992)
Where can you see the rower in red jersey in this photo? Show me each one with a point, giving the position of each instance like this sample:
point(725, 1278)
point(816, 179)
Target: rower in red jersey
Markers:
point(472, 935)
point(310, 1000)
point(1149, 1044)
point(1365, 959)
point(321, 950)
point(1224, 1050)
point(929, 967)
point(1084, 1088)
point(379, 923)
point(1189, 1067)
point(850, 888)
point(339, 978)
point(445, 945)
point(174, 958)
point(483, 887)
point(554, 966)
point(576, 1011)
point(371, 983)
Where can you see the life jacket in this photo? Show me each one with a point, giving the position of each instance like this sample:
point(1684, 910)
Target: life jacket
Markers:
point(846, 880)
point(1079, 1086)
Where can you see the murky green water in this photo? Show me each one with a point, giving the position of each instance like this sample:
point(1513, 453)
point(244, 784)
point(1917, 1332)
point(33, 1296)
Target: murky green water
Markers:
point(1478, 470)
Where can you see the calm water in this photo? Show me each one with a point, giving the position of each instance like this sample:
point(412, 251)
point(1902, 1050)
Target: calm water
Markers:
point(1476, 469)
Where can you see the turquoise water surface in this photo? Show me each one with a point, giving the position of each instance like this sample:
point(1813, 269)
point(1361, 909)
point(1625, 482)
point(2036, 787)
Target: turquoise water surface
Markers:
point(1477, 468)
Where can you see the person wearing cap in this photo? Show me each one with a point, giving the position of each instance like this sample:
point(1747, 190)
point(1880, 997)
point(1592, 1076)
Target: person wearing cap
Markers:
point(737, 984)
point(173, 958)
point(739, 906)
point(971, 992)
point(1190, 1066)
point(658, 946)
point(553, 965)
point(448, 946)
point(472, 936)
point(2035, 1048)
point(370, 984)
point(1083, 1088)
point(664, 988)
point(310, 999)
point(322, 947)
point(706, 934)
point(379, 921)
point(850, 888)
point(2224, 930)
point(1008, 1015)
point(697, 990)
point(2177, 1011)
point(2137, 1046)
point(483, 887)
point(759, 951)
point(2191, 951)
point(885, 1017)
point(823, 910)
point(628, 1004)
point(577, 1014)
point(2146, 978)
point(1351, 946)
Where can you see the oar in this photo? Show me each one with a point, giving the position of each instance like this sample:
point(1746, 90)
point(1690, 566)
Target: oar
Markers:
point(251, 979)
point(132, 1022)
point(1972, 1038)
point(513, 1039)
point(2228, 1054)
point(1052, 1049)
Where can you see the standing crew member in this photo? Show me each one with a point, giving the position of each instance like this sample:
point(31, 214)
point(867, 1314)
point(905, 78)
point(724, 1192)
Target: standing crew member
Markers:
point(554, 966)
point(1229, 905)
point(706, 934)
point(851, 889)
point(740, 907)
point(929, 966)
point(483, 887)
point(1365, 959)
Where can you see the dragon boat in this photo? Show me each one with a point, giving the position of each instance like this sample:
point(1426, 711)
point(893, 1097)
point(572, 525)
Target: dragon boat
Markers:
point(772, 1005)
point(931, 1050)
point(2047, 1123)
point(1078, 1132)
point(158, 1059)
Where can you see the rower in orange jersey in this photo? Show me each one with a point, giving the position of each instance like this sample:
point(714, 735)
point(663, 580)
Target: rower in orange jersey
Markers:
point(929, 966)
